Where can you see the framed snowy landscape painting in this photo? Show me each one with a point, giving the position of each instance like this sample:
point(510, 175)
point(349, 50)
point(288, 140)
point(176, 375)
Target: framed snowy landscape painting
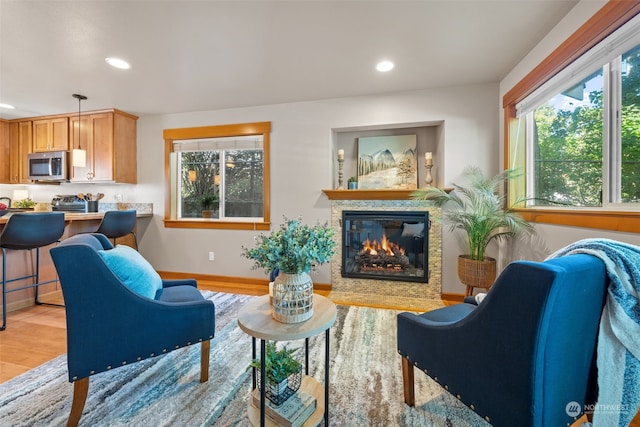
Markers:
point(387, 162)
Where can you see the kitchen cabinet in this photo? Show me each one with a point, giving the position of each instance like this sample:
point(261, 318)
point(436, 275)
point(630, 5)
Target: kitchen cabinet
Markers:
point(20, 144)
point(51, 134)
point(5, 146)
point(109, 138)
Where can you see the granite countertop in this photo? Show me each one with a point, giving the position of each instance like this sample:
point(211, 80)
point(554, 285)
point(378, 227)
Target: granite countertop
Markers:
point(143, 210)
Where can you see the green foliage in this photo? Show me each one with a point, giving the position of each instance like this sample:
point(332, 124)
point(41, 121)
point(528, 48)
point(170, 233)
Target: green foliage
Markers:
point(353, 179)
point(240, 184)
point(24, 203)
point(477, 209)
point(207, 201)
point(568, 150)
point(278, 364)
point(293, 248)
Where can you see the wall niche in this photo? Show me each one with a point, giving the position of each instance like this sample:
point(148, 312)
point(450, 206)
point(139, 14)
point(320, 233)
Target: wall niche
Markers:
point(429, 136)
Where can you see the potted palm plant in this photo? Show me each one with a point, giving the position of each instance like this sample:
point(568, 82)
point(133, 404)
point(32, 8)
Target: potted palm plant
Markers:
point(207, 201)
point(293, 250)
point(480, 210)
point(283, 373)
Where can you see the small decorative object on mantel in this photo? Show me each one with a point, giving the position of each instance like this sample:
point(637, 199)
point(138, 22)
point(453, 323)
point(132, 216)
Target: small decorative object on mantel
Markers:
point(428, 164)
point(353, 183)
point(293, 250)
point(340, 169)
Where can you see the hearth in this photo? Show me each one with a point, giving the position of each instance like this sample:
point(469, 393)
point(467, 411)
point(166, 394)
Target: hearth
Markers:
point(390, 245)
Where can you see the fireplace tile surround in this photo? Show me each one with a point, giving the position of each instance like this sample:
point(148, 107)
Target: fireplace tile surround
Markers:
point(388, 292)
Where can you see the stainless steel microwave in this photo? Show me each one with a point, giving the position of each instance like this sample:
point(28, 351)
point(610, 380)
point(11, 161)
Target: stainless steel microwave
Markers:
point(49, 166)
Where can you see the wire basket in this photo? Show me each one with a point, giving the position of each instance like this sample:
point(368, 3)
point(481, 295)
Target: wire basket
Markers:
point(279, 393)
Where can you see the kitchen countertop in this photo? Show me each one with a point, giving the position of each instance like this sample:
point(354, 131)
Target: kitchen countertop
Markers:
point(79, 216)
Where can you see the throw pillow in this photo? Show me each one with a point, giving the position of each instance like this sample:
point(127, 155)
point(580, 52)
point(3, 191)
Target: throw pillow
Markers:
point(133, 270)
point(412, 230)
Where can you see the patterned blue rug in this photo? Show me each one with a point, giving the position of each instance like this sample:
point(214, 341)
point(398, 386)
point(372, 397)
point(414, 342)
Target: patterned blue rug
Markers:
point(366, 382)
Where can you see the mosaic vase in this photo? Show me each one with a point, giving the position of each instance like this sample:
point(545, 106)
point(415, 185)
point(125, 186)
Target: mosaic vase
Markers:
point(292, 300)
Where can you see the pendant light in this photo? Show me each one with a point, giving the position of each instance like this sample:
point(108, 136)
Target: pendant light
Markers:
point(78, 155)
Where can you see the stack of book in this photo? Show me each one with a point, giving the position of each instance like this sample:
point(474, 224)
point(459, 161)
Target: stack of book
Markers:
point(292, 413)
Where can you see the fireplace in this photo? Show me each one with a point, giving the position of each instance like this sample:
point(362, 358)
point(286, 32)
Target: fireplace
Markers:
point(389, 245)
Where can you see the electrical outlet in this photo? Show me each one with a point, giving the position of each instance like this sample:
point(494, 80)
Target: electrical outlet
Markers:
point(212, 256)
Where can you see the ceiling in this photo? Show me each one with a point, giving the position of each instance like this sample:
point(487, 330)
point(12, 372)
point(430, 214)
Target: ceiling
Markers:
point(205, 55)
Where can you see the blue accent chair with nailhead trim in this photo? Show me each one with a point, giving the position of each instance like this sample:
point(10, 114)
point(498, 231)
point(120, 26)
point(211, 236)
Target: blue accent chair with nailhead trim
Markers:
point(119, 311)
point(525, 356)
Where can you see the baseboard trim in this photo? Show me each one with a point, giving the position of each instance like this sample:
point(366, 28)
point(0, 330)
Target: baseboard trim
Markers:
point(258, 283)
point(453, 297)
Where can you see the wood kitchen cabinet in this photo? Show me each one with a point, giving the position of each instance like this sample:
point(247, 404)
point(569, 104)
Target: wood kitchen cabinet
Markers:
point(5, 154)
point(109, 138)
point(20, 144)
point(51, 134)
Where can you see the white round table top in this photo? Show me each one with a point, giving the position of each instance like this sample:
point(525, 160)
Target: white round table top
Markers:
point(255, 319)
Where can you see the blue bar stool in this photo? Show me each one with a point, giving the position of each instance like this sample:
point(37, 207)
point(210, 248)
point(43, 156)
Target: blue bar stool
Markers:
point(25, 232)
point(117, 224)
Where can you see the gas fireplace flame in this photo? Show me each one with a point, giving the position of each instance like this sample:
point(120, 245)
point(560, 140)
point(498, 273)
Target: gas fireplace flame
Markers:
point(384, 246)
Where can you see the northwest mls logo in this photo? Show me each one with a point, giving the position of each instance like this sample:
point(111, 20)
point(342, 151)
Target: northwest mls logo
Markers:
point(573, 409)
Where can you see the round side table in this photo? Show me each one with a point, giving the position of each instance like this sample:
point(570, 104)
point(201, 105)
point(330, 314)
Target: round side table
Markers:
point(255, 319)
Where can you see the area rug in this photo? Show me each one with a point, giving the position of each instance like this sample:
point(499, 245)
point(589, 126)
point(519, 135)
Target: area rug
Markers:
point(365, 375)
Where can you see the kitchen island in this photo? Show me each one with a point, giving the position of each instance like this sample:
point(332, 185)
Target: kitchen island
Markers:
point(19, 263)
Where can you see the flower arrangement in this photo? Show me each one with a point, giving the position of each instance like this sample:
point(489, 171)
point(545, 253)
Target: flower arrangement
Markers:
point(293, 248)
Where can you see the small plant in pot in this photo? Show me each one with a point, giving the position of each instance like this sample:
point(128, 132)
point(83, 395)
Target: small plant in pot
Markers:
point(282, 372)
point(352, 183)
point(207, 202)
point(293, 250)
point(480, 210)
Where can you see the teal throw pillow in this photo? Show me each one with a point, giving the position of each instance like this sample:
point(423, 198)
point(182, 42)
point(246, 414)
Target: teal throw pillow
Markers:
point(133, 270)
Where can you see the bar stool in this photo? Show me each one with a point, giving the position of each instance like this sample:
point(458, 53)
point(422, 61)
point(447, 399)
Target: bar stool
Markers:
point(25, 232)
point(117, 224)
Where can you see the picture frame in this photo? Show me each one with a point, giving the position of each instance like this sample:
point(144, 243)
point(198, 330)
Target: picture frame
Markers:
point(388, 162)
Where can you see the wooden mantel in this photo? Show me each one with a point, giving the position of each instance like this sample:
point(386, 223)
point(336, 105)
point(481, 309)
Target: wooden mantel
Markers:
point(368, 194)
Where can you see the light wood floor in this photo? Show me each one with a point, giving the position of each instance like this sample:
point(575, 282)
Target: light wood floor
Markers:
point(37, 334)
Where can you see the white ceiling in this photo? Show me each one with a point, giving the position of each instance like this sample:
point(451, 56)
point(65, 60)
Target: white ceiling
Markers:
point(205, 55)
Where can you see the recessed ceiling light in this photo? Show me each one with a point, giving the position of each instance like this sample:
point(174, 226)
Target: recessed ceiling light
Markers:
point(7, 106)
point(118, 63)
point(384, 66)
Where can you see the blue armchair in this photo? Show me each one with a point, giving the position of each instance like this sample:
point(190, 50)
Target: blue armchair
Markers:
point(119, 311)
point(525, 356)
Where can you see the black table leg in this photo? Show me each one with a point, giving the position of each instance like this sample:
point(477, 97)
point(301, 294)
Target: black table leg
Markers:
point(326, 379)
point(262, 382)
point(253, 357)
point(306, 356)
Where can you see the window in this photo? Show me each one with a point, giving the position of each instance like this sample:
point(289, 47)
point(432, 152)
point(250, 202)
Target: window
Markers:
point(218, 176)
point(574, 125)
point(575, 129)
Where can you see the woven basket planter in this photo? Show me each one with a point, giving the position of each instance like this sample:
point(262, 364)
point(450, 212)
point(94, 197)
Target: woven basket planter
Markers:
point(478, 274)
point(292, 300)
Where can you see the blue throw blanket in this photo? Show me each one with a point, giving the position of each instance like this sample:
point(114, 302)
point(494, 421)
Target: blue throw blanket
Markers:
point(619, 337)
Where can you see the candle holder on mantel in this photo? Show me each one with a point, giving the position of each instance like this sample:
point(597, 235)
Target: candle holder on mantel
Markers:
point(428, 164)
point(340, 173)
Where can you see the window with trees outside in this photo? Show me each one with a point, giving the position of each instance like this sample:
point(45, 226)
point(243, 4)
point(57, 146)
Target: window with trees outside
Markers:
point(577, 135)
point(218, 176)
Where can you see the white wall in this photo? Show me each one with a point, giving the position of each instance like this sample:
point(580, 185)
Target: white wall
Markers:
point(302, 165)
point(552, 237)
